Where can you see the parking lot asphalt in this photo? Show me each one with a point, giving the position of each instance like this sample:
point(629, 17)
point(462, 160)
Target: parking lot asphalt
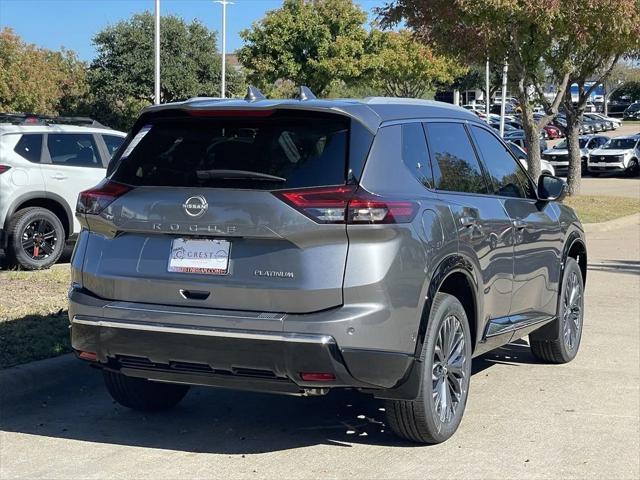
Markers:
point(524, 419)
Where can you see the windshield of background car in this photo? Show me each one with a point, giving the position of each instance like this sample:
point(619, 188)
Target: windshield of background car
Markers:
point(263, 151)
point(620, 144)
point(563, 144)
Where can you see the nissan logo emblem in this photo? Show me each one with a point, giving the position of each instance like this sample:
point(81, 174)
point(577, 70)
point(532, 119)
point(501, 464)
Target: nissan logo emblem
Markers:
point(195, 206)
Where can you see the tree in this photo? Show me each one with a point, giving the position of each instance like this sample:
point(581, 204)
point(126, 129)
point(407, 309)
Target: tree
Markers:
point(402, 67)
point(620, 80)
point(121, 75)
point(518, 31)
point(37, 80)
point(590, 48)
point(315, 44)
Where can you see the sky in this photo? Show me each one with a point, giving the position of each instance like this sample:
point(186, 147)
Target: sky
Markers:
point(73, 23)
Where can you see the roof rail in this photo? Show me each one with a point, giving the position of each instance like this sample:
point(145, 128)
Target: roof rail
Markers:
point(35, 119)
point(253, 94)
point(305, 93)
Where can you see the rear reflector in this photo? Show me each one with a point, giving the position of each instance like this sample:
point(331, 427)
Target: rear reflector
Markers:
point(90, 356)
point(348, 204)
point(96, 199)
point(4, 168)
point(317, 377)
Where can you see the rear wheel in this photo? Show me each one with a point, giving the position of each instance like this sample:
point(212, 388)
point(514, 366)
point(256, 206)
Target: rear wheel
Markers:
point(435, 414)
point(142, 394)
point(36, 238)
point(559, 341)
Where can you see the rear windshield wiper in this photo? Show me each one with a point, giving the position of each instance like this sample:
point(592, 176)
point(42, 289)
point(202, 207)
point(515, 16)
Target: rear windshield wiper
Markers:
point(237, 175)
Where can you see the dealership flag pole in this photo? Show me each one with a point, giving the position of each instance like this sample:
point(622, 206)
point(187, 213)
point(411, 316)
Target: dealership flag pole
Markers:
point(487, 95)
point(223, 75)
point(156, 95)
point(503, 106)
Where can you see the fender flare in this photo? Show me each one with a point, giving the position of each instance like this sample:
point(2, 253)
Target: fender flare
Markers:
point(454, 263)
point(41, 194)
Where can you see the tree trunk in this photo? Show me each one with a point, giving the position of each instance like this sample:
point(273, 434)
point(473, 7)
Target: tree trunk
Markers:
point(574, 174)
point(531, 133)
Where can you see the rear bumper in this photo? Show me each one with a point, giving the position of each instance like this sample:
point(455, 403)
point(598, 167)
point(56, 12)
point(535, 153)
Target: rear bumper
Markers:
point(142, 344)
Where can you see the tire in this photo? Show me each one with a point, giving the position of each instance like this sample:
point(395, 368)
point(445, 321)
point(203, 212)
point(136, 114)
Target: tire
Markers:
point(583, 166)
point(594, 174)
point(421, 420)
point(141, 394)
point(36, 238)
point(559, 341)
point(633, 170)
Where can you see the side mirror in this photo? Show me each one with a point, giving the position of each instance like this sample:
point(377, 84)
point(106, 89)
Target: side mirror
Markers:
point(551, 188)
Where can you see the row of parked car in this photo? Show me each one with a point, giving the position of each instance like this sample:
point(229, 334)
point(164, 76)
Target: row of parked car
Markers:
point(599, 154)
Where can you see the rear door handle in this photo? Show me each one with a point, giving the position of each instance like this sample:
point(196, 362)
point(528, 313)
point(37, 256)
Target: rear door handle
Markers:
point(59, 176)
point(194, 294)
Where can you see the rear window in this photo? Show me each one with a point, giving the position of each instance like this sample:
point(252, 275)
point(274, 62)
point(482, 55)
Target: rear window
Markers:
point(112, 142)
point(256, 152)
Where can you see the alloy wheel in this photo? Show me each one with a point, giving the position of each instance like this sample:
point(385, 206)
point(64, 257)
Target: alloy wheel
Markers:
point(448, 375)
point(39, 239)
point(572, 318)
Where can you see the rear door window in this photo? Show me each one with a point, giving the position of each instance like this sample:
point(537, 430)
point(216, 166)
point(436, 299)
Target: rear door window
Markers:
point(29, 147)
point(73, 150)
point(507, 176)
point(454, 162)
point(257, 152)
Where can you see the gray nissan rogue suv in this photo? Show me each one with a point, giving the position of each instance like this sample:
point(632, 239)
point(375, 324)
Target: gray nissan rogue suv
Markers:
point(296, 246)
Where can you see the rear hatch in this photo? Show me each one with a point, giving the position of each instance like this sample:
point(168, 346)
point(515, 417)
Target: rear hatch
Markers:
point(199, 211)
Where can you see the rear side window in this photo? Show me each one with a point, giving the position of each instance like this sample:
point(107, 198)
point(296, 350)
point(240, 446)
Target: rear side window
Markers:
point(112, 142)
point(508, 178)
point(29, 147)
point(256, 152)
point(415, 154)
point(73, 149)
point(454, 163)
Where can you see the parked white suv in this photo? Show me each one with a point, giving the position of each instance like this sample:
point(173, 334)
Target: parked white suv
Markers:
point(44, 164)
point(619, 154)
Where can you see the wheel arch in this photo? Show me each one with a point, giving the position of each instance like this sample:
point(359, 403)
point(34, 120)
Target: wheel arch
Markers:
point(575, 247)
point(454, 275)
point(52, 202)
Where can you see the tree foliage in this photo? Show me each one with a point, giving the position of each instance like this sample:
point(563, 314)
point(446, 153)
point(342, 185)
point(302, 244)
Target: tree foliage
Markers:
point(306, 43)
point(121, 76)
point(589, 49)
point(37, 80)
point(575, 40)
point(401, 66)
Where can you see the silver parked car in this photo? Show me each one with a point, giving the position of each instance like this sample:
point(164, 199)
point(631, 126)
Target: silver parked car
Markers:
point(298, 246)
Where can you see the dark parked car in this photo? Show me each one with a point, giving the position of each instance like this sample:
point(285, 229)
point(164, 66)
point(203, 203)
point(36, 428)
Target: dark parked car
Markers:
point(632, 112)
point(297, 246)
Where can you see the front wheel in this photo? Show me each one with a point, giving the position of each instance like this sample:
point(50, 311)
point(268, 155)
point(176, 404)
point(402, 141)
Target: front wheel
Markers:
point(435, 414)
point(559, 341)
point(633, 170)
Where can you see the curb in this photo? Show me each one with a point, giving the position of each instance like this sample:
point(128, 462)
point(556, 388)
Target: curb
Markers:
point(612, 224)
point(39, 376)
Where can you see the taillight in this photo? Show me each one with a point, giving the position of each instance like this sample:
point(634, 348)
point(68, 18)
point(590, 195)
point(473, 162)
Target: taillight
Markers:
point(96, 199)
point(4, 168)
point(348, 204)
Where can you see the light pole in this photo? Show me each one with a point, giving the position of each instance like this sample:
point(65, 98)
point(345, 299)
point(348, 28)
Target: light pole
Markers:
point(156, 55)
point(223, 79)
point(503, 105)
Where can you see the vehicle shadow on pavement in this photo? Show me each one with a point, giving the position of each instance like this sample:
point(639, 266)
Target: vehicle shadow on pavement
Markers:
point(631, 267)
point(217, 421)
